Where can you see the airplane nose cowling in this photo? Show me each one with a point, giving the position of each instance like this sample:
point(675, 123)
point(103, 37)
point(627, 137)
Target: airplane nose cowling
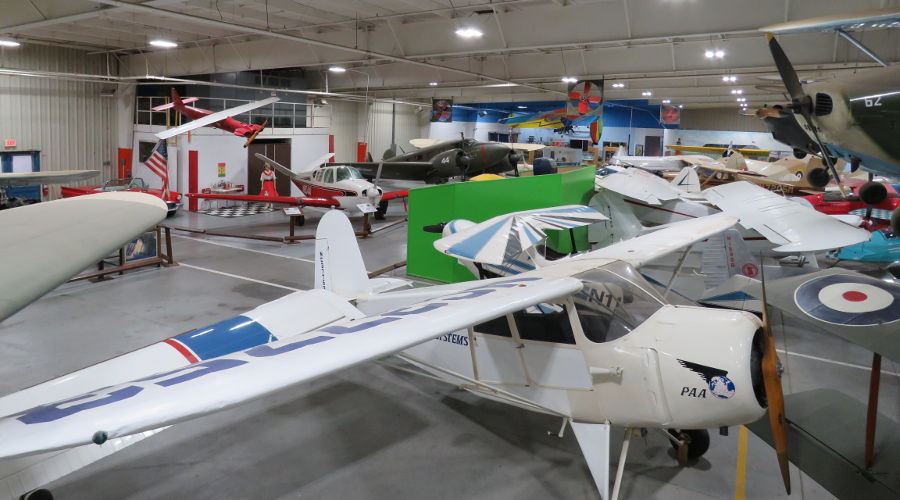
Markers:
point(514, 157)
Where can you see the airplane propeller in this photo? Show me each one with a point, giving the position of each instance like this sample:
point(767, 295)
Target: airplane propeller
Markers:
point(800, 102)
point(253, 136)
point(774, 392)
point(584, 98)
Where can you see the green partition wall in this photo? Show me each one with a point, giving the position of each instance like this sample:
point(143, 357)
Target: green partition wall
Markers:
point(479, 201)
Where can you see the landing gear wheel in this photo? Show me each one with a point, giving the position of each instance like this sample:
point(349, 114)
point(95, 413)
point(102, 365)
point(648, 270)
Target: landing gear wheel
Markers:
point(696, 440)
point(799, 154)
point(382, 209)
point(818, 177)
point(854, 164)
point(872, 193)
point(39, 494)
point(300, 220)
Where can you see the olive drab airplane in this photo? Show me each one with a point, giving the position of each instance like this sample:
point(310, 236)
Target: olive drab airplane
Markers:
point(331, 186)
point(438, 160)
point(221, 120)
point(584, 107)
point(582, 338)
point(851, 118)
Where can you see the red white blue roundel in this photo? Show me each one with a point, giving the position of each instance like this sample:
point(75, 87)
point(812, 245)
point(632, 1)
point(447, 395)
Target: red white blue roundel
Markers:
point(849, 300)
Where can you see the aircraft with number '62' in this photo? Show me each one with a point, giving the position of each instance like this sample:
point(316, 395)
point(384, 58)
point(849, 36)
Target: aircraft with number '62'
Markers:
point(221, 120)
point(584, 338)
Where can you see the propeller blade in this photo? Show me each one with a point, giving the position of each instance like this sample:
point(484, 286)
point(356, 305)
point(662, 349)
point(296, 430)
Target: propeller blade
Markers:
point(785, 69)
point(594, 99)
point(583, 107)
point(587, 87)
point(774, 394)
point(765, 113)
point(250, 139)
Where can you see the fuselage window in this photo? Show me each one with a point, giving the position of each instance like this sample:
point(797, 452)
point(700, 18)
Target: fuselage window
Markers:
point(545, 323)
point(329, 176)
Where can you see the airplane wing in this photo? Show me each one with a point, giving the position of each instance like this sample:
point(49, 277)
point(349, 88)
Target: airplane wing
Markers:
point(48, 177)
point(214, 117)
point(306, 201)
point(427, 143)
point(393, 170)
point(228, 381)
point(640, 185)
point(506, 236)
point(525, 146)
point(48, 243)
point(796, 228)
point(719, 150)
point(642, 249)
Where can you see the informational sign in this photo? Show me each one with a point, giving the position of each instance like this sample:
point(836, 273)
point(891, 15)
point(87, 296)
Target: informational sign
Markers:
point(366, 208)
point(442, 110)
point(222, 169)
point(292, 211)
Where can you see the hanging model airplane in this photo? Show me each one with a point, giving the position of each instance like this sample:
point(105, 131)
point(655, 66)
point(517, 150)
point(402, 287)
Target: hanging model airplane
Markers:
point(439, 160)
point(221, 120)
point(88, 228)
point(331, 186)
point(584, 338)
point(584, 107)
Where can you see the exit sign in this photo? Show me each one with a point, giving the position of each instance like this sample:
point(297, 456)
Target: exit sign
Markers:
point(10, 143)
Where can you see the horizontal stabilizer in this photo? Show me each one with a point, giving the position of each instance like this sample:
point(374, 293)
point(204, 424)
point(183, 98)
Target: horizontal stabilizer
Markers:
point(187, 100)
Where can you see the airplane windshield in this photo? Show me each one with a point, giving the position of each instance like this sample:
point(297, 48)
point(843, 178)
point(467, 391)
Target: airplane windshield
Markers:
point(123, 184)
point(614, 301)
point(345, 173)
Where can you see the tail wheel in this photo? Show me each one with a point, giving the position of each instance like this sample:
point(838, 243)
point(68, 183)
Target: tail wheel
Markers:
point(697, 441)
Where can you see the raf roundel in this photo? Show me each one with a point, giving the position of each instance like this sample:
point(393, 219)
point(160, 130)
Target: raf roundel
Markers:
point(848, 300)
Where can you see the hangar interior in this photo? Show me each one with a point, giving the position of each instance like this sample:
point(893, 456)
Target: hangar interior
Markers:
point(90, 85)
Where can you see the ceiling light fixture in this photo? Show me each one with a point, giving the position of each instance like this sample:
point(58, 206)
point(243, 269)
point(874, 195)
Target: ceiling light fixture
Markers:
point(9, 43)
point(718, 54)
point(729, 78)
point(618, 85)
point(337, 69)
point(433, 84)
point(680, 106)
point(569, 79)
point(469, 32)
point(646, 93)
point(522, 107)
point(166, 44)
point(737, 91)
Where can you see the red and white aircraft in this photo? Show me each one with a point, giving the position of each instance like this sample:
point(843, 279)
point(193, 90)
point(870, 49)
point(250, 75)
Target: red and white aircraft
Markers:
point(221, 120)
point(329, 186)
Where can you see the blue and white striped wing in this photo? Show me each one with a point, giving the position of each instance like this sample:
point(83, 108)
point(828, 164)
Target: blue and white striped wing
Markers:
point(506, 236)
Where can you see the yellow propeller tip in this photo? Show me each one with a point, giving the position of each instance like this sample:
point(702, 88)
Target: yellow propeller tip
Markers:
point(769, 37)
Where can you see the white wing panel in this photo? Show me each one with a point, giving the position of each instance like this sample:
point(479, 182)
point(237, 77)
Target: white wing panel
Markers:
point(795, 227)
point(49, 177)
point(230, 380)
point(638, 185)
point(213, 118)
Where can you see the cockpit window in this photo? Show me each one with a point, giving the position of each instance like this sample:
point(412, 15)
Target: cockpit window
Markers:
point(343, 173)
point(329, 175)
point(614, 301)
point(543, 322)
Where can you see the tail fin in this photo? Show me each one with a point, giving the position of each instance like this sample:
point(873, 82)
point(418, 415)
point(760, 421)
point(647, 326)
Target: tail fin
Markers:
point(339, 266)
point(735, 161)
point(620, 152)
point(726, 255)
point(176, 99)
point(687, 180)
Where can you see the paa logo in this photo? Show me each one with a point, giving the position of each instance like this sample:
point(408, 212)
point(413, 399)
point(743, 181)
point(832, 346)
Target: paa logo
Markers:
point(719, 385)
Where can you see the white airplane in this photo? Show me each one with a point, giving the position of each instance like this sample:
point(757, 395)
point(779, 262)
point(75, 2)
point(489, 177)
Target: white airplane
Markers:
point(8, 179)
point(656, 163)
point(88, 227)
point(584, 338)
point(788, 227)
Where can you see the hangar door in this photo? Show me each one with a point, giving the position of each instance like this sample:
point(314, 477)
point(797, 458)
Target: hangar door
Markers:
point(276, 149)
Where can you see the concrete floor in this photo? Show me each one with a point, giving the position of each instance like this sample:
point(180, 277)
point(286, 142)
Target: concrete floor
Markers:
point(368, 432)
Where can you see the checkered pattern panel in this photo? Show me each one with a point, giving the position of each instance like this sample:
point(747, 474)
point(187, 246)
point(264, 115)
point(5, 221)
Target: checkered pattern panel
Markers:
point(238, 210)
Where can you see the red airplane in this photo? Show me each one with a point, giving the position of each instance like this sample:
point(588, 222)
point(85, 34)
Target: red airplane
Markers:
point(221, 120)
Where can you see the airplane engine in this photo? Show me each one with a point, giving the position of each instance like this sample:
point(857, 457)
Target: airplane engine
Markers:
point(450, 163)
point(697, 368)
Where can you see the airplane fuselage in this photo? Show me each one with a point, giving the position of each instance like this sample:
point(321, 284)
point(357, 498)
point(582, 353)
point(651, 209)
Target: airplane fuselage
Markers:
point(227, 124)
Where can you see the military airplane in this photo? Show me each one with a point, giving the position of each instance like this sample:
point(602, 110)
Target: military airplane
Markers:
point(584, 106)
point(331, 186)
point(583, 338)
point(221, 120)
point(850, 119)
point(437, 160)
point(88, 227)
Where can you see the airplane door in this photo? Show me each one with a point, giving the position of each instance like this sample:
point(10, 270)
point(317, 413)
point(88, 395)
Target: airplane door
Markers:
point(278, 151)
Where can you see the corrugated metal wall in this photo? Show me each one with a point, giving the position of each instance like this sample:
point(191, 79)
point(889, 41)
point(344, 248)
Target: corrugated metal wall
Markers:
point(405, 126)
point(719, 119)
point(67, 121)
point(344, 126)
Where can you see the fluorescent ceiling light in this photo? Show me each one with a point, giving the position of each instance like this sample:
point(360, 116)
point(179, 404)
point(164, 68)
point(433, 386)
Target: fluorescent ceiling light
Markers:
point(718, 54)
point(433, 84)
point(570, 79)
point(522, 107)
point(680, 106)
point(164, 44)
point(469, 32)
point(666, 101)
point(618, 85)
point(737, 91)
point(337, 69)
point(9, 43)
point(500, 85)
point(729, 78)
point(646, 93)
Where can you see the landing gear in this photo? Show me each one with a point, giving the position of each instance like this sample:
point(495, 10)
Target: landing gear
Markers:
point(300, 220)
point(817, 177)
point(695, 443)
point(799, 154)
point(39, 494)
point(872, 193)
point(382, 209)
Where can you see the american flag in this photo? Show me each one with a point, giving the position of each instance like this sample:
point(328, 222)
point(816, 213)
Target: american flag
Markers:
point(158, 163)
